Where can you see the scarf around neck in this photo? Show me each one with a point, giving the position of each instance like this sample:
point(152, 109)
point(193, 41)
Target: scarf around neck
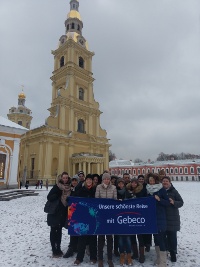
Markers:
point(151, 189)
point(66, 191)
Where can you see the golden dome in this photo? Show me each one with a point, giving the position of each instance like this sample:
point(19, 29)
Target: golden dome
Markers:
point(22, 95)
point(74, 14)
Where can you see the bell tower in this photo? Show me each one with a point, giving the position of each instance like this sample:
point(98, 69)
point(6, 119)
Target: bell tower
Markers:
point(73, 108)
point(21, 114)
point(71, 138)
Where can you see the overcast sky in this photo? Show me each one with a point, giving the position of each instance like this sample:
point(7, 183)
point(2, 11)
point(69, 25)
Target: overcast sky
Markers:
point(146, 67)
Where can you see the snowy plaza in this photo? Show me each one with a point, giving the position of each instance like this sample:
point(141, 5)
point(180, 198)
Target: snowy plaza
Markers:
point(24, 237)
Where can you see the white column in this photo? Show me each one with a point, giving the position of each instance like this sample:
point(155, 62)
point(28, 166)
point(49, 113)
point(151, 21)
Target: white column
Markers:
point(12, 179)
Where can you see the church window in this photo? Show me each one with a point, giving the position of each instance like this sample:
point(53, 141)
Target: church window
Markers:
point(62, 61)
point(21, 111)
point(81, 126)
point(67, 26)
point(81, 62)
point(72, 25)
point(20, 123)
point(81, 94)
point(78, 27)
point(2, 165)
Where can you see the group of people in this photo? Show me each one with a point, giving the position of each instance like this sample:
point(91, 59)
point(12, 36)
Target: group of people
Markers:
point(39, 184)
point(127, 247)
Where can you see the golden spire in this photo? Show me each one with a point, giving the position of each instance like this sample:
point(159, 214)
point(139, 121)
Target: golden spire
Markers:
point(22, 95)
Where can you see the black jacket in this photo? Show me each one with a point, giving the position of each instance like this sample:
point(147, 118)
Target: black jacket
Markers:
point(59, 218)
point(85, 192)
point(172, 212)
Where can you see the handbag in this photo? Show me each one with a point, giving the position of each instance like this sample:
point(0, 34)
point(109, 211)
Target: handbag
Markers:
point(51, 206)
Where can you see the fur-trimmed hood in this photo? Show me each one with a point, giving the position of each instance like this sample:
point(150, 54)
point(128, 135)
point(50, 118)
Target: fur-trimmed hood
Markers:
point(136, 190)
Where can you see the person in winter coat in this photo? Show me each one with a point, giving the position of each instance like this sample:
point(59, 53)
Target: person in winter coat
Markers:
point(81, 177)
point(87, 191)
point(146, 237)
point(173, 217)
point(73, 241)
point(61, 190)
point(156, 190)
point(105, 190)
point(96, 179)
point(134, 190)
point(124, 241)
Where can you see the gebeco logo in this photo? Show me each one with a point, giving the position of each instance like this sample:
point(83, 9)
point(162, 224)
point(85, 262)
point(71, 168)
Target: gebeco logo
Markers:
point(130, 218)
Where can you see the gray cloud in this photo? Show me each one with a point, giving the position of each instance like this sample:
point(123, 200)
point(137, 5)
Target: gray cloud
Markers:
point(146, 67)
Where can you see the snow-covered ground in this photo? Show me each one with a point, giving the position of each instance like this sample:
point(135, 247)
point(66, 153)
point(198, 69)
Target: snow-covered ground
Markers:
point(24, 234)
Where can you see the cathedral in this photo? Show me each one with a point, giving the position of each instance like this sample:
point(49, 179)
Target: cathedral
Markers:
point(71, 138)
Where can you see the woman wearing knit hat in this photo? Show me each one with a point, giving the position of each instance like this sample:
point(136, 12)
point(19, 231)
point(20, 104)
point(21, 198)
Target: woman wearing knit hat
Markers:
point(105, 190)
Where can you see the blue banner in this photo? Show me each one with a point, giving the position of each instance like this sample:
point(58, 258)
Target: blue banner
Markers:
point(100, 216)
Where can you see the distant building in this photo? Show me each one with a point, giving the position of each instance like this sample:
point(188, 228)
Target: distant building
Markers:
point(21, 114)
point(177, 170)
point(10, 134)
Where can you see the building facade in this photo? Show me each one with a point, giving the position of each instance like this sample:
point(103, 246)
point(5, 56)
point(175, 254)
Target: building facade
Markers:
point(10, 135)
point(177, 170)
point(21, 114)
point(71, 138)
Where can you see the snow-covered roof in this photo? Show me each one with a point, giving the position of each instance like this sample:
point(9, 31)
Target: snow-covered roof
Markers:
point(121, 162)
point(11, 125)
point(128, 163)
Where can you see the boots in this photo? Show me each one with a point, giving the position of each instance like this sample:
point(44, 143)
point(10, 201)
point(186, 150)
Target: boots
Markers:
point(100, 263)
point(69, 253)
point(129, 259)
point(163, 259)
point(135, 252)
point(142, 257)
point(157, 261)
point(59, 252)
point(122, 259)
point(173, 256)
point(110, 263)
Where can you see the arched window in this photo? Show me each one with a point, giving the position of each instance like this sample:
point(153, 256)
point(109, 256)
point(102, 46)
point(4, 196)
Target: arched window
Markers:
point(62, 61)
point(81, 62)
point(81, 94)
point(72, 25)
point(81, 126)
point(67, 26)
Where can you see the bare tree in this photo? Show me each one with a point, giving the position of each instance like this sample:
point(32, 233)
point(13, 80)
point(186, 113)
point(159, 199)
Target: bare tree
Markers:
point(111, 155)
